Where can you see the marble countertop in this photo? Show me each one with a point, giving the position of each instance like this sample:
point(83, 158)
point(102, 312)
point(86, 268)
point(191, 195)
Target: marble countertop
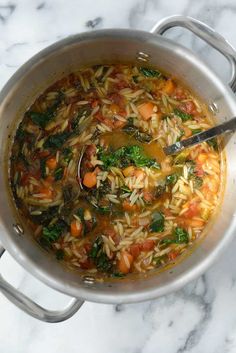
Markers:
point(200, 318)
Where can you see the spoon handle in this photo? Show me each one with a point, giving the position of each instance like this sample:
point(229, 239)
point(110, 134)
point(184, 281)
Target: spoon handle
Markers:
point(228, 126)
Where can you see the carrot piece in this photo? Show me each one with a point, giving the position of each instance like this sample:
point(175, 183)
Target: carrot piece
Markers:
point(76, 228)
point(187, 131)
point(146, 110)
point(139, 173)
point(51, 163)
point(169, 87)
point(48, 181)
point(90, 179)
point(128, 171)
point(195, 223)
point(201, 158)
point(125, 262)
point(45, 192)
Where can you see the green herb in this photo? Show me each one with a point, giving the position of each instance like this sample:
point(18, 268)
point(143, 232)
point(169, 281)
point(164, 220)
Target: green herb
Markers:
point(43, 168)
point(149, 72)
point(181, 157)
point(125, 156)
point(117, 275)
point(98, 256)
point(171, 179)
point(58, 174)
point(213, 143)
point(180, 236)
point(104, 209)
point(158, 260)
point(43, 118)
point(84, 111)
point(191, 165)
point(157, 224)
point(53, 232)
point(197, 182)
point(56, 141)
point(135, 79)
point(160, 189)
point(196, 131)
point(184, 116)
point(60, 254)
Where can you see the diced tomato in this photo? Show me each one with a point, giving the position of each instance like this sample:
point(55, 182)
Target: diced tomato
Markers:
point(148, 245)
point(135, 250)
point(90, 150)
point(148, 196)
point(172, 255)
point(193, 210)
point(42, 154)
point(95, 103)
point(198, 170)
point(188, 107)
point(180, 93)
point(86, 264)
point(25, 179)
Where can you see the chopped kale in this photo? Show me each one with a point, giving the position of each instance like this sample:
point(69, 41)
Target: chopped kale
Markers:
point(184, 116)
point(43, 168)
point(43, 118)
point(196, 131)
point(134, 131)
point(197, 182)
point(125, 156)
point(60, 254)
point(157, 224)
point(84, 111)
point(58, 174)
point(56, 141)
point(46, 216)
point(99, 257)
point(147, 72)
point(53, 232)
point(135, 79)
point(67, 154)
point(171, 179)
point(213, 143)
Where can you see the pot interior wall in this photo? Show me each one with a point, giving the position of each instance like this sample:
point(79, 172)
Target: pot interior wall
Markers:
point(93, 48)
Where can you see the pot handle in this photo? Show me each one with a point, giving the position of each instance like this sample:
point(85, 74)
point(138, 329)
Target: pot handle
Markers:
point(32, 308)
point(204, 32)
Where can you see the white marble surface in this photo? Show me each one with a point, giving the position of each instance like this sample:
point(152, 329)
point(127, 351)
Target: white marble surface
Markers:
point(200, 318)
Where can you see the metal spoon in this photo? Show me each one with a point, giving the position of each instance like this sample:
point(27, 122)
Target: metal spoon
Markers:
point(228, 126)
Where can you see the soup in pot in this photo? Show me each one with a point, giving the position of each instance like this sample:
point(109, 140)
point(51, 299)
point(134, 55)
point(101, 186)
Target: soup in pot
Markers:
point(90, 178)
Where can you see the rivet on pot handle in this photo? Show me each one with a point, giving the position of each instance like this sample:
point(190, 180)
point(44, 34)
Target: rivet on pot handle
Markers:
point(204, 32)
point(33, 309)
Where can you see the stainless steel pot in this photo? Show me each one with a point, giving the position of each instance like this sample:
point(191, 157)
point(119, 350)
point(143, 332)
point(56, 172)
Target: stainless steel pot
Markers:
point(109, 45)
